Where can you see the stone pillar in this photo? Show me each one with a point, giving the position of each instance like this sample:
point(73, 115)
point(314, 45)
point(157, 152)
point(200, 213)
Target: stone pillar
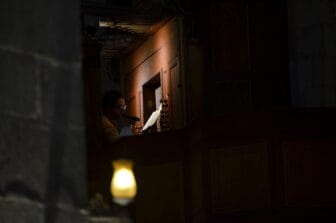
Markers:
point(42, 140)
point(312, 44)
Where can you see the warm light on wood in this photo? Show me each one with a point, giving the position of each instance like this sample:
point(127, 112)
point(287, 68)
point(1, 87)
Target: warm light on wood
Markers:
point(123, 184)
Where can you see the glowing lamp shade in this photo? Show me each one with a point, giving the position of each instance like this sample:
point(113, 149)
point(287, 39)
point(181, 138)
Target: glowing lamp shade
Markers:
point(123, 184)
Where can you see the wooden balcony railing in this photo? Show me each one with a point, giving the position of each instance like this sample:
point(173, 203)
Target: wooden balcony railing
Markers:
point(228, 167)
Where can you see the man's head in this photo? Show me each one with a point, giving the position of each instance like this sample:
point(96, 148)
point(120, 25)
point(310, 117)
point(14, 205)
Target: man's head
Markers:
point(113, 104)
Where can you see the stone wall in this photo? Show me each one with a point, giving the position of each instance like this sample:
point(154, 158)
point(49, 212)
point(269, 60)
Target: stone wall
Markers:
point(312, 44)
point(42, 140)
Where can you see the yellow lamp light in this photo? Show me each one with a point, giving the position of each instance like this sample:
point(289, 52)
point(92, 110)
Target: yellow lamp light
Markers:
point(123, 184)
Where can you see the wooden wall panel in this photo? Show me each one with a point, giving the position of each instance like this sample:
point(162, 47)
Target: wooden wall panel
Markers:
point(309, 173)
point(160, 193)
point(229, 36)
point(246, 41)
point(239, 178)
point(196, 187)
point(176, 102)
point(152, 57)
point(232, 95)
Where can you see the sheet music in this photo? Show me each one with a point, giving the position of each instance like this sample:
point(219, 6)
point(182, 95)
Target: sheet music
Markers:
point(153, 118)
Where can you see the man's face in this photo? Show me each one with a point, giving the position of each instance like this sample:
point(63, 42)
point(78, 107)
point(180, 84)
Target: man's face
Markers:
point(119, 108)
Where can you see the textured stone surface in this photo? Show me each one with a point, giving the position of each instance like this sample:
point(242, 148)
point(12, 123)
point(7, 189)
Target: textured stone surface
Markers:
point(20, 211)
point(62, 101)
point(310, 12)
point(330, 38)
point(14, 209)
point(18, 84)
point(312, 33)
point(66, 172)
point(24, 149)
point(66, 215)
point(44, 27)
point(330, 70)
point(310, 40)
point(42, 140)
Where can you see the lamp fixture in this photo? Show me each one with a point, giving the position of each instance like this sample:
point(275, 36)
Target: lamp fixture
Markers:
point(123, 184)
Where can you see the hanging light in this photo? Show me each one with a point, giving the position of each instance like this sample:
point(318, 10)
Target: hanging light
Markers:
point(123, 184)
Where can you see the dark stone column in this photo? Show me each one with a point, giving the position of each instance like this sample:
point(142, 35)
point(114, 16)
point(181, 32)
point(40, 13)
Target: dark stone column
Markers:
point(42, 140)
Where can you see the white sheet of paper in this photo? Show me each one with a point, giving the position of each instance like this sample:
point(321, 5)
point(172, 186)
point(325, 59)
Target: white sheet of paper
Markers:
point(153, 118)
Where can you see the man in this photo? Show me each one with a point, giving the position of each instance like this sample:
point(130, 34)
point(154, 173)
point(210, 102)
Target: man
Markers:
point(113, 106)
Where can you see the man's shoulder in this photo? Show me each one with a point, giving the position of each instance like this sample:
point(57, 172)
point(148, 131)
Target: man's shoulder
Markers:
point(106, 122)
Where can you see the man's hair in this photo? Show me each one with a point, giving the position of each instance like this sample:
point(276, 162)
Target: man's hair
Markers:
point(110, 99)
